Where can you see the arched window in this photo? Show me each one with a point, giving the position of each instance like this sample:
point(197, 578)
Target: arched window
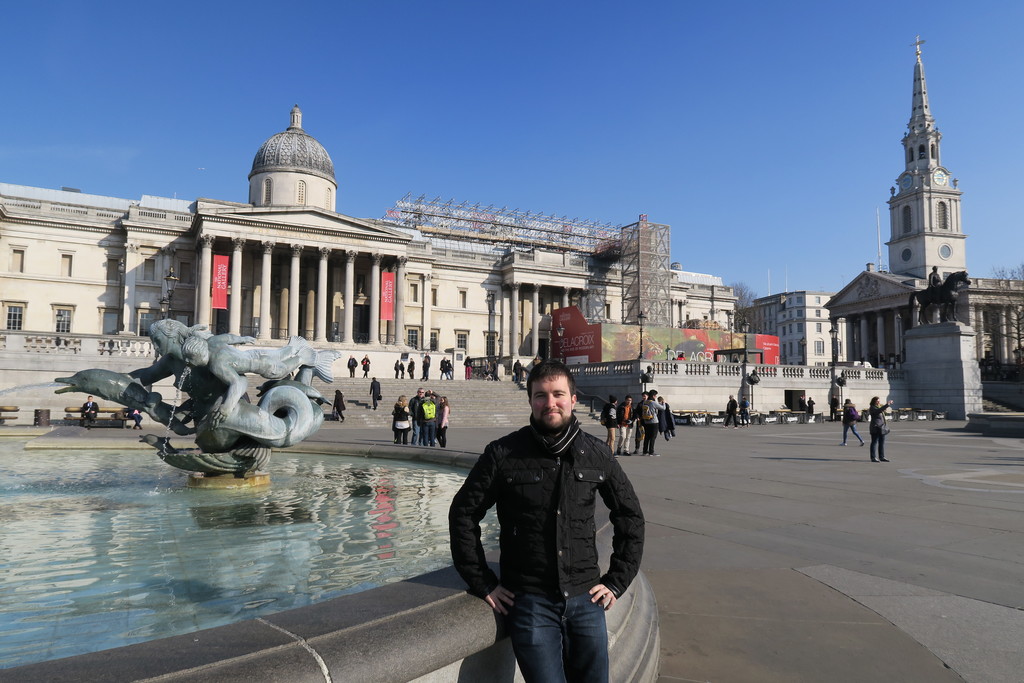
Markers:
point(942, 216)
point(910, 154)
point(327, 198)
point(267, 187)
point(301, 193)
point(921, 154)
point(934, 156)
point(906, 220)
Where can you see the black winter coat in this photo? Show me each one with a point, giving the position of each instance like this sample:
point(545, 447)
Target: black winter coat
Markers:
point(546, 513)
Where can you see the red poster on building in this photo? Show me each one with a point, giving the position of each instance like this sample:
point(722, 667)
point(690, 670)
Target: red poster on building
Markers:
point(220, 280)
point(387, 296)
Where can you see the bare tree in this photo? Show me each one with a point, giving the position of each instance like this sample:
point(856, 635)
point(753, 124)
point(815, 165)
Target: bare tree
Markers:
point(745, 296)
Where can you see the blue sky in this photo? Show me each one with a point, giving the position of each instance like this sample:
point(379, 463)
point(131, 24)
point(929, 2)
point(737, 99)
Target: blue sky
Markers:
point(766, 134)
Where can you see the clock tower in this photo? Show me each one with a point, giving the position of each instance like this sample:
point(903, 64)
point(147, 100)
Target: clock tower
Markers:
point(924, 210)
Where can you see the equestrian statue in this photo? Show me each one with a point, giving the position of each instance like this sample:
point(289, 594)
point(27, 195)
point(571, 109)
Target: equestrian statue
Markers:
point(941, 293)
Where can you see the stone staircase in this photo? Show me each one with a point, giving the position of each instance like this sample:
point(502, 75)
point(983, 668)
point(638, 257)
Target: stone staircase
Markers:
point(474, 402)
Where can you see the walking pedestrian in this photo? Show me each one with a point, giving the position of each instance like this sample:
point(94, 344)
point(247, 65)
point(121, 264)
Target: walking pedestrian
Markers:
point(468, 366)
point(375, 394)
point(352, 365)
point(850, 419)
point(400, 421)
point(744, 412)
point(626, 416)
point(399, 369)
point(338, 410)
point(445, 410)
point(833, 409)
point(810, 406)
point(551, 589)
point(638, 424)
point(412, 368)
point(366, 366)
point(730, 413)
point(877, 427)
point(610, 422)
point(426, 368)
point(666, 421)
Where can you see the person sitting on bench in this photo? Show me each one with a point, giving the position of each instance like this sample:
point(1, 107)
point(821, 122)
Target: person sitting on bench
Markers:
point(89, 411)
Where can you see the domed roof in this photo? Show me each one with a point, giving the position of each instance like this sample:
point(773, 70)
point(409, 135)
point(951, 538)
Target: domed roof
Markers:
point(293, 150)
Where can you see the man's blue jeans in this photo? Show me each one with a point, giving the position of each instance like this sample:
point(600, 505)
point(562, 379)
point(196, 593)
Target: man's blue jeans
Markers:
point(415, 433)
point(559, 640)
point(428, 433)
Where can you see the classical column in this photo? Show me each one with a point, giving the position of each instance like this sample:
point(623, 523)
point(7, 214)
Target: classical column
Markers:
point(535, 322)
point(129, 267)
point(513, 322)
point(293, 290)
point(425, 342)
point(375, 298)
point(265, 270)
point(309, 320)
point(851, 340)
point(400, 299)
point(205, 266)
point(235, 311)
point(350, 294)
point(864, 347)
point(321, 296)
point(565, 297)
point(880, 337)
point(1004, 333)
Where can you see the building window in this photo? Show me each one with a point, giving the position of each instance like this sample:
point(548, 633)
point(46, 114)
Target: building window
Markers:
point(942, 216)
point(17, 261)
point(433, 339)
point(66, 262)
point(113, 270)
point(15, 316)
point(63, 321)
point(921, 153)
point(110, 319)
point(146, 318)
point(462, 339)
point(327, 199)
point(819, 347)
point(817, 313)
point(360, 284)
point(414, 292)
point(186, 274)
point(149, 270)
point(818, 327)
point(463, 296)
point(800, 328)
point(906, 220)
point(433, 296)
point(492, 343)
point(267, 191)
point(301, 192)
point(412, 337)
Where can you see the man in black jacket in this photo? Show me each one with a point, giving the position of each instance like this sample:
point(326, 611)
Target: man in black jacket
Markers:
point(545, 479)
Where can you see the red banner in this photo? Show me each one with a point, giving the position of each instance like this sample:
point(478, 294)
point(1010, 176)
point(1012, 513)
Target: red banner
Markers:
point(220, 280)
point(387, 296)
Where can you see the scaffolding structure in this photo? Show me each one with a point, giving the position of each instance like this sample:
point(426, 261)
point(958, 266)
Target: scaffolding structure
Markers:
point(467, 221)
point(646, 278)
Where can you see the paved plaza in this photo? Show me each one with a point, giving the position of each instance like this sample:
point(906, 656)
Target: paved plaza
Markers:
point(777, 555)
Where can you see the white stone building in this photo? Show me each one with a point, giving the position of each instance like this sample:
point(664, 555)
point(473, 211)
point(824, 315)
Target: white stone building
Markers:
point(80, 265)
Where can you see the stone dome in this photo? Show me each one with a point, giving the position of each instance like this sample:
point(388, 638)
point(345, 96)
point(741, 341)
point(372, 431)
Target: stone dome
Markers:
point(293, 150)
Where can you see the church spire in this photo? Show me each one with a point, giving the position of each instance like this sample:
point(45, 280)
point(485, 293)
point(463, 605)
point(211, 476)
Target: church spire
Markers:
point(921, 115)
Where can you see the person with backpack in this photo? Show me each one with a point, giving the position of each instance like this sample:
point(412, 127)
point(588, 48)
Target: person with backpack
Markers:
point(626, 416)
point(850, 419)
point(649, 411)
point(610, 422)
point(414, 412)
point(744, 412)
point(428, 421)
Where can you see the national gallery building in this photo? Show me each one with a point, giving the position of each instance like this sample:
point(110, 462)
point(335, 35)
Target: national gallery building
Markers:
point(428, 276)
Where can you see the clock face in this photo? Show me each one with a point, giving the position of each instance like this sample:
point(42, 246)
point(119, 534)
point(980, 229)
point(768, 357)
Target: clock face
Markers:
point(906, 181)
point(940, 177)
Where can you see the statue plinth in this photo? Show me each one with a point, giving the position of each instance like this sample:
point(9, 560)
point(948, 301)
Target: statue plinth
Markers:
point(942, 369)
point(251, 480)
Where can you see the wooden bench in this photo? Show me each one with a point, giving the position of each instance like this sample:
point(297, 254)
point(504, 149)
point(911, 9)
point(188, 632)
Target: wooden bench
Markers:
point(105, 417)
point(5, 414)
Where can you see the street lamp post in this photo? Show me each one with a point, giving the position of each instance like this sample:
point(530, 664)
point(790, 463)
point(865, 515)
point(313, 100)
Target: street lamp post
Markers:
point(167, 301)
point(641, 317)
point(803, 351)
point(834, 333)
point(561, 342)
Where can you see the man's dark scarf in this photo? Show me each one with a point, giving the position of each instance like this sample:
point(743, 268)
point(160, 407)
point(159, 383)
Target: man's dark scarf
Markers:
point(558, 442)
